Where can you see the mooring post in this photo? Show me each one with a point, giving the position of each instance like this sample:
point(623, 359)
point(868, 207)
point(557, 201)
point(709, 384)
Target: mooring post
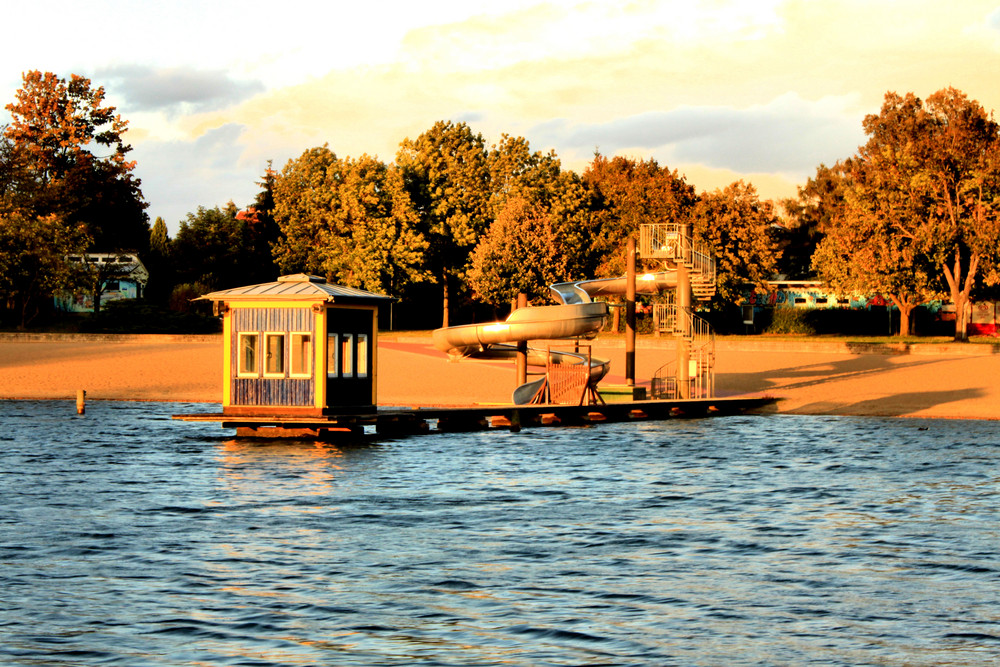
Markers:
point(630, 313)
point(515, 421)
point(521, 368)
point(81, 401)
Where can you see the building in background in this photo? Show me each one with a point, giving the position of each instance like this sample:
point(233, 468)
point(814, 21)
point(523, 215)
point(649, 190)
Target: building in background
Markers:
point(119, 276)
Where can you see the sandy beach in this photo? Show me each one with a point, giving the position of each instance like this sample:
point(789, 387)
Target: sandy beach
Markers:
point(946, 381)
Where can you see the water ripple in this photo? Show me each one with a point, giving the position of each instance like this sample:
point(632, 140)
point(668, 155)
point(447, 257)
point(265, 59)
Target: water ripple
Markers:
point(130, 539)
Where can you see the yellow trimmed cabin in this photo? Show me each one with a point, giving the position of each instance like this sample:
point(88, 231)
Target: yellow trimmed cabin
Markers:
point(298, 347)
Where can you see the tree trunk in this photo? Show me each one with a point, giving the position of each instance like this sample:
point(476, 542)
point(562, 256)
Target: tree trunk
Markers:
point(961, 316)
point(960, 290)
point(905, 307)
point(904, 319)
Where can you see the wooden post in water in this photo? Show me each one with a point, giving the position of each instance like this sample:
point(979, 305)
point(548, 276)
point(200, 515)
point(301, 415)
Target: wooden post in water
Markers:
point(521, 368)
point(81, 401)
point(630, 313)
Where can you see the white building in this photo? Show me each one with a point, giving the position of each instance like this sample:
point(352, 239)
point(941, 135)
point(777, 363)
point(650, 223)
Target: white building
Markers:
point(122, 275)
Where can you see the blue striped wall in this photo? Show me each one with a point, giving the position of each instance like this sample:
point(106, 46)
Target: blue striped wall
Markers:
point(271, 391)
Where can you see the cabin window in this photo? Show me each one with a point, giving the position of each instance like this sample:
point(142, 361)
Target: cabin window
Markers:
point(333, 356)
point(248, 354)
point(362, 355)
point(300, 355)
point(347, 355)
point(274, 350)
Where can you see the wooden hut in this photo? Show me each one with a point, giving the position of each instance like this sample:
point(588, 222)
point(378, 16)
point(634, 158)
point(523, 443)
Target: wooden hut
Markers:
point(298, 347)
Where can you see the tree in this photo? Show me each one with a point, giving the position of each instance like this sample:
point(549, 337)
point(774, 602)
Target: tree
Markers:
point(306, 195)
point(519, 253)
point(447, 176)
point(518, 173)
point(34, 261)
point(157, 260)
point(262, 230)
point(211, 248)
point(57, 129)
point(350, 220)
point(810, 219)
point(862, 254)
point(627, 193)
point(738, 228)
point(931, 172)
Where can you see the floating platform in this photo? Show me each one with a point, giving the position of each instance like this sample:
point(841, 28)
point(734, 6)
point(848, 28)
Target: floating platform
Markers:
point(397, 422)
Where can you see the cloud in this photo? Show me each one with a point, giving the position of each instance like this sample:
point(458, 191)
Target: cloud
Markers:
point(176, 89)
point(210, 170)
point(788, 135)
point(993, 20)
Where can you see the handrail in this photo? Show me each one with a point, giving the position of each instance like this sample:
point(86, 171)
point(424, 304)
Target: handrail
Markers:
point(665, 240)
point(702, 361)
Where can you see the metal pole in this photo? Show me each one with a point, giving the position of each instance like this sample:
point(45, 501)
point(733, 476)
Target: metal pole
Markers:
point(521, 364)
point(630, 314)
point(682, 321)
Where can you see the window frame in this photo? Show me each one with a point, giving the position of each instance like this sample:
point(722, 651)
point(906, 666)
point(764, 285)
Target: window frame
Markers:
point(241, 370)
point(347, 355)
point(361, 355)
point(267, 336)
point(305, 354)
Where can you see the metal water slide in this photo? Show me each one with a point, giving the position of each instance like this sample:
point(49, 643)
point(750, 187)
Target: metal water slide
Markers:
point(578, 316)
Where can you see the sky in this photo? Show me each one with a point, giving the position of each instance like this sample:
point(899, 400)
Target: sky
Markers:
point(764, 91)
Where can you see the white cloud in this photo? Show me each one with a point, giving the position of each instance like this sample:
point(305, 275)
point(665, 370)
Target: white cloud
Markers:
point(175, 89)
point(788, 135)
point(179, 176)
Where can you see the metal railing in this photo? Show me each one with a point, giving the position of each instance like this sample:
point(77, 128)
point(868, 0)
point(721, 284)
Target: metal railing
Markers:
point(665, 240)
point(568, 382)
point(701, 377)
point(701, 371)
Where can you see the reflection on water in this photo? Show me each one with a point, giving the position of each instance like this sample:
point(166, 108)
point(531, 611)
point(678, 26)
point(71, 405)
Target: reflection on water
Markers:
point(130, 539)
point(248, 467)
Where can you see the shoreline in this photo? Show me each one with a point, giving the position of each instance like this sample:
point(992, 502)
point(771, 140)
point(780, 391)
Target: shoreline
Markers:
point(948, 381)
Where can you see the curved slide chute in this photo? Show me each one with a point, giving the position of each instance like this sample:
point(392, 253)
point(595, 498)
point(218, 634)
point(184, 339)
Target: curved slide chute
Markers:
point(579, 316)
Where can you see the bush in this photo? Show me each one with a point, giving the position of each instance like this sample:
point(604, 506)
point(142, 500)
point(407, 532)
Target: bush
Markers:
point(182, 297)
point(790, 321)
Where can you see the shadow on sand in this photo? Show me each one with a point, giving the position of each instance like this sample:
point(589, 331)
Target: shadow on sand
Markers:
point(780, 381)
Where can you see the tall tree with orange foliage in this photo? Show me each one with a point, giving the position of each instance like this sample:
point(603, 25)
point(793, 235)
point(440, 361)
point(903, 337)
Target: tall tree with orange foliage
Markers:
point(924, 196)
point(75, 160)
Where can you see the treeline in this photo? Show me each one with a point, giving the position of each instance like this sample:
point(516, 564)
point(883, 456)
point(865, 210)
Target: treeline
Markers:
point(453, 226)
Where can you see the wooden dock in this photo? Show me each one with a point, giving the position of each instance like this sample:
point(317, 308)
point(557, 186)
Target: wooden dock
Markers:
point(397, 422)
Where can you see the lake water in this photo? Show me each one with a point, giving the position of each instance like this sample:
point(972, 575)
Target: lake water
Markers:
point(127, 538)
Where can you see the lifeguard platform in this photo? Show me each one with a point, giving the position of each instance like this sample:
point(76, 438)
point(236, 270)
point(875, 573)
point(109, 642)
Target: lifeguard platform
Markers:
point(298, 347)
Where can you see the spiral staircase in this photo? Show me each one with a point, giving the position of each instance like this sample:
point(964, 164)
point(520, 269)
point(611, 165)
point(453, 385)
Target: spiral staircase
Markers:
point(673, 247)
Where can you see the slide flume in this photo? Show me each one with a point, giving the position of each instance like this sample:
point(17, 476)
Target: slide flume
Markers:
point(578, 316)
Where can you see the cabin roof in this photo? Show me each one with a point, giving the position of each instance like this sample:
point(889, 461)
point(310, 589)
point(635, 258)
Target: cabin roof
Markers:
point(296, 287)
